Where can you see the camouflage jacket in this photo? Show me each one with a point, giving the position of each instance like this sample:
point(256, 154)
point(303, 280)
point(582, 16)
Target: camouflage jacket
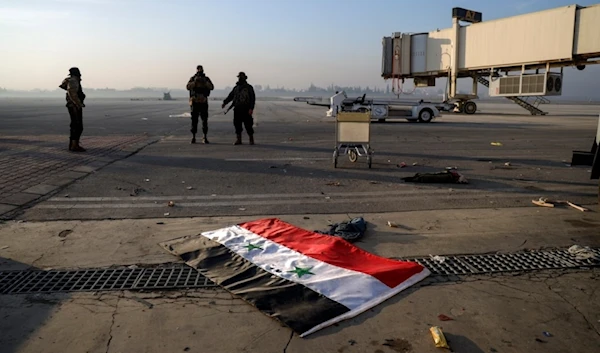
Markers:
point(199, 87)
point(75, 95)
point(242, 95)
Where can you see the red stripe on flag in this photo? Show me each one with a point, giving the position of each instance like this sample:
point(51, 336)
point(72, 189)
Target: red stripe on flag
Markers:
point(334, 251)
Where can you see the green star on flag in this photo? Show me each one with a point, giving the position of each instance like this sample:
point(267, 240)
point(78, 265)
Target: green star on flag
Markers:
point(300, 271)
point(251, 247)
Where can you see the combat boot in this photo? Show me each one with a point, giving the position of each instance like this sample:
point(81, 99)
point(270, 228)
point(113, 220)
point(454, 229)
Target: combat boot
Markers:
point(251, 139)
point(77, 147)
point(238, 140)
point(71, 145)
point(194, 138)
point(205, 140)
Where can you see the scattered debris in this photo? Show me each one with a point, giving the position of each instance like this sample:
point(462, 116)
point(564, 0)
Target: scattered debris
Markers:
point(582, 253)
point(540, 340)
point(306, 217)
point(184, 115)
point(401, 165)
point(350, 231)
point(415, 164)
point(547, 334)
point(437, 258)
point(160, 222)
point(544, 202)
point(443, 317)
point(132, 267)
point(449, 176)
point(64, 233)
point(144, 118)
point(327, 197)
point(507, 164)
point(142, 301)
point(273, 167)
point(493, 350)
point(336, 183)
point(136, 191)
point(171, 204)
point(67, 195)
point(186, 349)
point(146, 180)
point(451, 168)
point(373, 182)
point(242, 209)
point(190, 188)
point(496, 144)
point(167, 213)
point(183, 182)
point(352, 342)
point(392, 224)
point(438, 337)
point(4, 247)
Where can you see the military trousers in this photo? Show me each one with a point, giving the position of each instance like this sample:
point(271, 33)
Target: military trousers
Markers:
point(199, 110)
point(241, 119)
point(76, 126)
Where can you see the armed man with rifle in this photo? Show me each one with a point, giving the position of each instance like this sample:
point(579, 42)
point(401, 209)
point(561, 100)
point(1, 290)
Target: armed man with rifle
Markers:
point(243, 98)
point(75, 98)
point(199, 86)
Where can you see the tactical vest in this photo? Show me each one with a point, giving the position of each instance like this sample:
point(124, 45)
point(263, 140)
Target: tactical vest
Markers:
point(241, 97)
point(200, 90)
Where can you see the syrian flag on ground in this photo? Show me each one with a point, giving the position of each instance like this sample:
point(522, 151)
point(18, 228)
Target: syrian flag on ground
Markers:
point(306, 280)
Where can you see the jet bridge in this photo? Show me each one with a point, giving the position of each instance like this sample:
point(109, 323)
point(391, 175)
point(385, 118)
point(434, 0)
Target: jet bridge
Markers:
point(520, 57)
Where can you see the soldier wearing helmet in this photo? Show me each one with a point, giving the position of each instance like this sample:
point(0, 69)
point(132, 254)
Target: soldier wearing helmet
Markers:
point(199, 87)
point(75, 98)
point(243, 98)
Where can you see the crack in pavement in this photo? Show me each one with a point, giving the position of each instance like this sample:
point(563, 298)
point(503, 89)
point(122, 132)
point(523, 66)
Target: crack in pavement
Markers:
point(112, 324)
point(288, 342)
point(592, 327)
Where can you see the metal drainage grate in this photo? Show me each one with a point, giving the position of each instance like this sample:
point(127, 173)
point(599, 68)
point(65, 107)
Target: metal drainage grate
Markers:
point(95, 280)
point(494, 263)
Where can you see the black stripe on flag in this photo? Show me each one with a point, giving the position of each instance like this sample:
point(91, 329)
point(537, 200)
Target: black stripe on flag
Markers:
point(295, 305)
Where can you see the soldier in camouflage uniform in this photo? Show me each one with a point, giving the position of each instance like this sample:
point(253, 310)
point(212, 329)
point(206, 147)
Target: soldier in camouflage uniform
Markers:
point(243, 98)
point(75, 98)
point(199, 86)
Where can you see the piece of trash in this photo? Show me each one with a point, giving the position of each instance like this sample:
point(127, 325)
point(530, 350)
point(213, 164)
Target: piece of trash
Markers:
point(449, 176)
point(577, 207)
point(160, 222)
point(272, 167)
point(451, 168)
point(64, 233)
point(392, 224)
point(401, 165)
point(67, 195)
point(142, 301)
point(542, 202)
point(144, 118)
point(184, 115)
point(171, 204)
point(167, 213)
point(496, 144)
point(507, 164)
point(582, 252)
point(438, 337)
point(350, 231)
point(242, 209)
point(389, 161)
point(186, 349)
point(146, 180)
point(443, 317)
point(540, 340)
point(132, 267)
point(183, 182)
point(493, 350)
point(373, 182)
point(437, 258)
point(4, 247)
point(337, 183)
point(547, 334)
point(189, 188)
point(327, 197)
point(306, 217)
point(415, 164)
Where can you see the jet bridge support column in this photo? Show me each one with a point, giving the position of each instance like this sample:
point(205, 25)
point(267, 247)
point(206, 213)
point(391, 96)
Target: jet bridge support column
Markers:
point(454, 61)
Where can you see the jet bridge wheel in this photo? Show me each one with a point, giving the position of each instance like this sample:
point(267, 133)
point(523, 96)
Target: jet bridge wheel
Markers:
point(470, 107)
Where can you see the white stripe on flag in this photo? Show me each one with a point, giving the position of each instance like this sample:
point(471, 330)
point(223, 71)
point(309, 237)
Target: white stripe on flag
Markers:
point(353, 289)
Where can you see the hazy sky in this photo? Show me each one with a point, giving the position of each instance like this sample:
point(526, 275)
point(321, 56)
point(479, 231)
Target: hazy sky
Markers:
point(151, 43)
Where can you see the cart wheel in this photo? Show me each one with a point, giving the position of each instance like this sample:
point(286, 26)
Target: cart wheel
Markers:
point(353, 156)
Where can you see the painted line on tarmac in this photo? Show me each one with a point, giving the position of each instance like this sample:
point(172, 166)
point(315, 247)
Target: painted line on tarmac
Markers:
point(262, 196)
point(276, 159)
point(323, 200)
